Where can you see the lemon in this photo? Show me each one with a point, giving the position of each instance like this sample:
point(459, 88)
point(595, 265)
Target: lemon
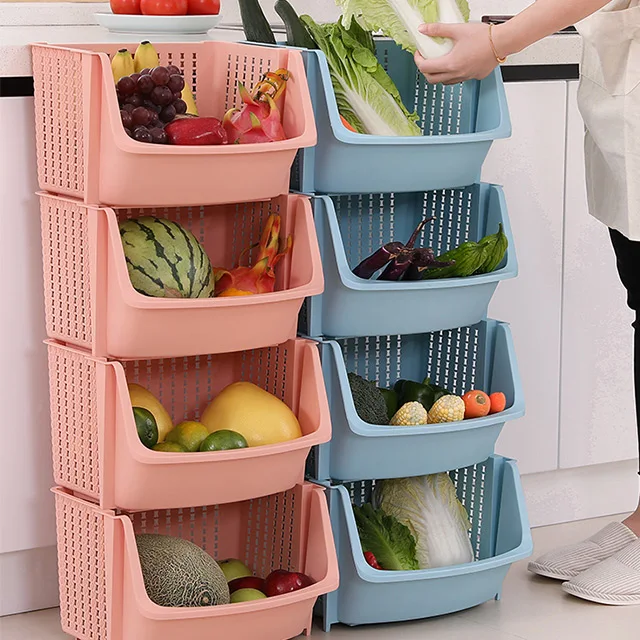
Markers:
point(188, 434)
point(223, 440)
point(257, 415)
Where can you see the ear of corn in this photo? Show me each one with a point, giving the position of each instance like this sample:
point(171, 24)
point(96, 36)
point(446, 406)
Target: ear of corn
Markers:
point(410, 414)
point(447, 409)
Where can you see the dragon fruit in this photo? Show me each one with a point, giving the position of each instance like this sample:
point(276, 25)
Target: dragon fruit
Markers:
point(256, 121)
point(261, 277)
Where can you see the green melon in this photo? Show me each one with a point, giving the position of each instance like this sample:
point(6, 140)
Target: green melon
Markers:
point(177, 573)
point(165, 260)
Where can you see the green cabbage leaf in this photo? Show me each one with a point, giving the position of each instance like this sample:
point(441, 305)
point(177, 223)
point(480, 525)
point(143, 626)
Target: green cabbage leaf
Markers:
point(429, 507)
point(400, 19)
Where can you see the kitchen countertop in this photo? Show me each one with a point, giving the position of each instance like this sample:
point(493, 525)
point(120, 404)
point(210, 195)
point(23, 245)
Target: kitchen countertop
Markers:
point(24, 23)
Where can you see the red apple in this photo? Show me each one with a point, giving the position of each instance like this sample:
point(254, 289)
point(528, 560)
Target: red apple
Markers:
point(248, 582)
point(280, 582)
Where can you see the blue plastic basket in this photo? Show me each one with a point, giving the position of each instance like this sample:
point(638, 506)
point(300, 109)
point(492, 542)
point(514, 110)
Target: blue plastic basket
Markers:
point(350, 228)
point(492, 494)
point(460, 124)
point(480, 357)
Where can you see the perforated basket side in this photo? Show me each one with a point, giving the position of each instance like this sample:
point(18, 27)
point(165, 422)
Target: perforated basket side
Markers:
point(265, 533)
point(82, 569)
point(74, 421)
point(454, 359)
point(60, 119)
point(66, 249)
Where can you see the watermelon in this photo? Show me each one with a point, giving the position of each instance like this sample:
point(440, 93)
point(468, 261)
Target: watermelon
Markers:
point(165, 260)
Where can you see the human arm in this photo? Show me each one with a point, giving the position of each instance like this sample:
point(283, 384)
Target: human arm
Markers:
point(473, 56)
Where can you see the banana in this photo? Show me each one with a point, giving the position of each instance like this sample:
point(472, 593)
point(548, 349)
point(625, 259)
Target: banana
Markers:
point(187, 96)
point(146, 57)
point(122, 65)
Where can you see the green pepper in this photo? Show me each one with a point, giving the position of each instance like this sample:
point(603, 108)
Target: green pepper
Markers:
point(425, 393)
point(391, 398)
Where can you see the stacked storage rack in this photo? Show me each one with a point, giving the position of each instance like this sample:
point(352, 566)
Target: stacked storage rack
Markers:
point(252, 504)
point(370, 190)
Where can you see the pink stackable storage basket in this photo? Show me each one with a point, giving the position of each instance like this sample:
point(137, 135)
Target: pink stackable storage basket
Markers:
point(84, 152)
point(97, 452)
point(102, 593)
point(90, 302)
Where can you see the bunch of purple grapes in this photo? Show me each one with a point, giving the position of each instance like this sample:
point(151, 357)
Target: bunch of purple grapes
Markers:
point(149, 100)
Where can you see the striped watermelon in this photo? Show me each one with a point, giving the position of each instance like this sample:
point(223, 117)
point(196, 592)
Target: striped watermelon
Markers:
point(165, 260)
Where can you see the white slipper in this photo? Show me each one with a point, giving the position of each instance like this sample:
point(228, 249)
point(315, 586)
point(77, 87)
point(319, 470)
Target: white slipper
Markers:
point(613, 581)
point(568, 562)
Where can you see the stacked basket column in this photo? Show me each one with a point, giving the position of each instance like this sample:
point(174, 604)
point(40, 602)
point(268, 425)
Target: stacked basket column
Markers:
point(252, 504)
point(368, 191)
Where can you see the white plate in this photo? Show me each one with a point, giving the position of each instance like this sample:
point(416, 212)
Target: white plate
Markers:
point(150, 25)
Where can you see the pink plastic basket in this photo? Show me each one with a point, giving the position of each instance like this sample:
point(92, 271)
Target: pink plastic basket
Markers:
point(97, 452)
point(91, 303)
point(102, 593)
point(84, 152)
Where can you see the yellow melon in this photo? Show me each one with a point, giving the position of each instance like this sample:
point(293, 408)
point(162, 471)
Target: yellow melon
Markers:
point(252, 412)
point(141, 397)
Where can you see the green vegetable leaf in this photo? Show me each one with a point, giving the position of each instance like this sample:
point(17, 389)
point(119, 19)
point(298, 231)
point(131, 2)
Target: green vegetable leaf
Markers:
point(390, 542)
point(367, 97)
point(400, 19)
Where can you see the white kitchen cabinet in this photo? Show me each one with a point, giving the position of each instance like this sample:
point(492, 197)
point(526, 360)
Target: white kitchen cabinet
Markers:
point(530, 166)
point(27, 527)
point(597, 403)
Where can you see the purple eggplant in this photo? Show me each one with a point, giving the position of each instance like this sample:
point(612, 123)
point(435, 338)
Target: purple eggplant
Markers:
point(417, 232)
point(378, 260)
point(397, 268)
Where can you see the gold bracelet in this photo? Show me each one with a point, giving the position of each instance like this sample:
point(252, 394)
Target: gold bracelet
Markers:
point(493, 46)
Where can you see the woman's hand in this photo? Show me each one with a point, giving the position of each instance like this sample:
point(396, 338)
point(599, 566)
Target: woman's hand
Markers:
point(472, 56)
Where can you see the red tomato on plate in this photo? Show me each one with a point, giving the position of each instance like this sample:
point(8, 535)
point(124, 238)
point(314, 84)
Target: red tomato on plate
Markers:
point(129, 7)
point(164, 7)
point(204, 7)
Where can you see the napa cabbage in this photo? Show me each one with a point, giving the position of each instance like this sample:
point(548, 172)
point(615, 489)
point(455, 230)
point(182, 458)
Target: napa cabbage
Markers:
point(400, 19)
point(367, 97)
point(429, 507)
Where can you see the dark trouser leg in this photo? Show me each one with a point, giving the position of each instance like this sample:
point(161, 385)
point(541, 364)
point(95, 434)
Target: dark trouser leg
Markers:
point(628, 259)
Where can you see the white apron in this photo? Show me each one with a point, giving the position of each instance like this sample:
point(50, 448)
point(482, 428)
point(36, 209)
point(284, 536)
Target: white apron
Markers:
point(609, 101)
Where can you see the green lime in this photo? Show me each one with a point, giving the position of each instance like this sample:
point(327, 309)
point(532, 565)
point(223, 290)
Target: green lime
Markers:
point(170, 447)
point(189, 434)
point(223, 441)
point(147, 427)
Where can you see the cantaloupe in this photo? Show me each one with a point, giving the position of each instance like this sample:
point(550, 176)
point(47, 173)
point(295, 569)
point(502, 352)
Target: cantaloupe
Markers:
point(178, 573)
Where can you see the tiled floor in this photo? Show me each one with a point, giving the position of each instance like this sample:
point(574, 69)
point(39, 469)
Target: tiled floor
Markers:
point(531, 609)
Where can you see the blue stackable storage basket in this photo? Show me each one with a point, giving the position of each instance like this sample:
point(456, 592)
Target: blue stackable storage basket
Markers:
point(352, 227)
point(460, 124)
point(477, 357)
point(492, 494)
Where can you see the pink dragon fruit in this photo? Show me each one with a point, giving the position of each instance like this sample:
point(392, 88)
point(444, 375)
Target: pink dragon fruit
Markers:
point(256, 121)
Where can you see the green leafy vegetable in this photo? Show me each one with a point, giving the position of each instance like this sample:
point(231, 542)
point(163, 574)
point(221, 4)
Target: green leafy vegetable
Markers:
point(367, 97)
point(390, 541)
point(400, 19)
point(429, 507)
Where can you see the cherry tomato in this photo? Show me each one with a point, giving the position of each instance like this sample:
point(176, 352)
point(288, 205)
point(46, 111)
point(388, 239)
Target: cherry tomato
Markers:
point(164, 7)
point(126, 6)
point(204, 7)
